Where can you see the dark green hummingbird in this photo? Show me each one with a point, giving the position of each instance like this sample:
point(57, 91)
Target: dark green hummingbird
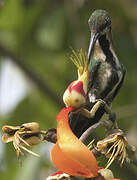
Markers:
point(106, 72)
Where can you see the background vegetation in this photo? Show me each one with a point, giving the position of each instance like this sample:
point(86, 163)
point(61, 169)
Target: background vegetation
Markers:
point(35, 36)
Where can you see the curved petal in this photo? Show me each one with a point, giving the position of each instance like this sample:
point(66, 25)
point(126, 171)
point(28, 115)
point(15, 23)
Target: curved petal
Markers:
point(66, 164)
point(73, 153)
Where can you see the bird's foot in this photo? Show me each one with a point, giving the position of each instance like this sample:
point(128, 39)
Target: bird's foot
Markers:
point(102, 102)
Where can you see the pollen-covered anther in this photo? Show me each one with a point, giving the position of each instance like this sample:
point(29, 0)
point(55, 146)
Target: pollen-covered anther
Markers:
point(114, 146)
point(75, 94)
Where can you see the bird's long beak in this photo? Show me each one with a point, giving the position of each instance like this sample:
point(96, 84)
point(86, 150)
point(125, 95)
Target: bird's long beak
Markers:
point(94, 37)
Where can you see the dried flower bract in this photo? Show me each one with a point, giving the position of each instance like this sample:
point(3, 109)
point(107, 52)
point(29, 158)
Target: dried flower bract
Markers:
point(113, 146)
point(24, 136)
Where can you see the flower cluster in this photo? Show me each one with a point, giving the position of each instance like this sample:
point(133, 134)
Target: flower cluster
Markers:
point(113, 146)
point(24, 136)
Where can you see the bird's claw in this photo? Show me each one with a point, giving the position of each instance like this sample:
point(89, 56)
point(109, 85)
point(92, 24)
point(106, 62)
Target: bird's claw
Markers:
point(103, 103)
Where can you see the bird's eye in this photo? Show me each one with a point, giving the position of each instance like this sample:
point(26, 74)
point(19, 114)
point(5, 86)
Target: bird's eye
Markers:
point(107, 23)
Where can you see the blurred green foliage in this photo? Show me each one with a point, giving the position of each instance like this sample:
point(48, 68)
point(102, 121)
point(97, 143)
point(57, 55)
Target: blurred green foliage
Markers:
point(41, 33)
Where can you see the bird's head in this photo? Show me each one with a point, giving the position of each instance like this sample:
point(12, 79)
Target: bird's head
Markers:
point(99, 24)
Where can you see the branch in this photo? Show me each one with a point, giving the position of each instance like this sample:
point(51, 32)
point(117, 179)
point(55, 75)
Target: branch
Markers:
point(33, 76)
point(90, 130)
point(50, 135)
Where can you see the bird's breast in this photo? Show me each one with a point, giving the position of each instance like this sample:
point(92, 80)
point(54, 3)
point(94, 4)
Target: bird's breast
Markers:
point(102, 78)
point(98, 53)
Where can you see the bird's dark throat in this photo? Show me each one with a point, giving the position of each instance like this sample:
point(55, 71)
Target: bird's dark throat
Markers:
point(105, 46)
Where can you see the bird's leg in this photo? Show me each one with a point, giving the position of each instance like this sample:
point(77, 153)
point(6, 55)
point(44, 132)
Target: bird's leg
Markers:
point(91, 113)
point(97, 105)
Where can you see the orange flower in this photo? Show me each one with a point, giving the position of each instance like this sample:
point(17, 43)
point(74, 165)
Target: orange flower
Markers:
point(69, 154)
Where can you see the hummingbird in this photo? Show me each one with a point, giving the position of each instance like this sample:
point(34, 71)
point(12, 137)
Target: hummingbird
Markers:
point(109, 75)
point(100, 77)
point(105, 73)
